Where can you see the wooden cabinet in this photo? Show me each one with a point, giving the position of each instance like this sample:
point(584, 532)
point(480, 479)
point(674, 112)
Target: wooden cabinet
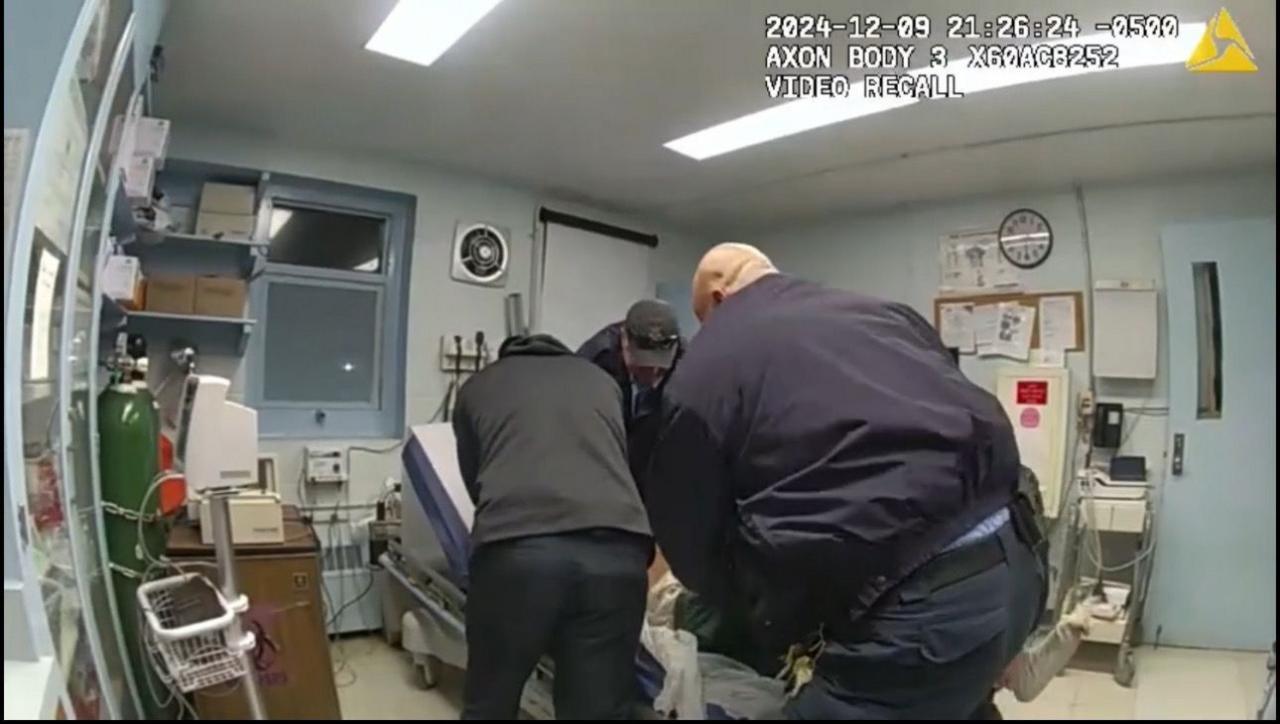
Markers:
point(286, 614)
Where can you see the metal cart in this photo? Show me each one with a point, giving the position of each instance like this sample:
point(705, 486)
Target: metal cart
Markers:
point(1131, 517)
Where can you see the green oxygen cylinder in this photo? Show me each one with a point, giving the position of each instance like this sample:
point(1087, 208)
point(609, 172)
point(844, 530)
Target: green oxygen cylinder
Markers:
point(128, 428)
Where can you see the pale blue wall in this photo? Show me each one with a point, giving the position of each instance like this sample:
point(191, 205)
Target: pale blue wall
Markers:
point(35, 36)
point(679, 294)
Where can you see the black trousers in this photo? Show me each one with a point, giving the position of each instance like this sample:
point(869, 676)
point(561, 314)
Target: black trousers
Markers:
point(577, 597)
point(935, 645)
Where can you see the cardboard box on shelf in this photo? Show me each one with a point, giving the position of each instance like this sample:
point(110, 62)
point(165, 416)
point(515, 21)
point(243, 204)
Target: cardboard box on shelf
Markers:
point(224, 226)
point(122, 280)
point(220, 296)
point(235, 199)
point(172, 294)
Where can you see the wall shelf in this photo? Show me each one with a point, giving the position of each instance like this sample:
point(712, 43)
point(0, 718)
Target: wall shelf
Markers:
point(205, 318)
point(175, 252)
point(152, 236)
point(193, 325)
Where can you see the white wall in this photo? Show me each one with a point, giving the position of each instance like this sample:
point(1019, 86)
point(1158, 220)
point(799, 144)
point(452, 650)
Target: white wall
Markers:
point(894, 255)
point(437, 305)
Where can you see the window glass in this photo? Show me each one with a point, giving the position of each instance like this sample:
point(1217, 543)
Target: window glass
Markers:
point(321, 344)
point(326, 239)
point(1208, 340)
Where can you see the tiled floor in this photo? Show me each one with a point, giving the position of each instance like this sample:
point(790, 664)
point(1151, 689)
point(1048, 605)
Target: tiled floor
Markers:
point(1170, 684)
point(1187, 684)
point(378, 682)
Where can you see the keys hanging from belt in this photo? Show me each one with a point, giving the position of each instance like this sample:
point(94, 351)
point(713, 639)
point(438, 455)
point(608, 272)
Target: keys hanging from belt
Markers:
point(800, 662)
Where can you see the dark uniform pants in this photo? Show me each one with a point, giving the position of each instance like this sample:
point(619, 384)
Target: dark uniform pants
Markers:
point(935, 645)
point(578, 597)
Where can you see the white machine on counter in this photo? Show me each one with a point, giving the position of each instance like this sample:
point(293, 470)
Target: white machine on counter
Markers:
point(256, 517)
point(1112, 505)
point(217, 440)
point(231, 462)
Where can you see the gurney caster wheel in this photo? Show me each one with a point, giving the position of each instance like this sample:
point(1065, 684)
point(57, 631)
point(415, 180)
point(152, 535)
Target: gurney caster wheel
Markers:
point(428, 671)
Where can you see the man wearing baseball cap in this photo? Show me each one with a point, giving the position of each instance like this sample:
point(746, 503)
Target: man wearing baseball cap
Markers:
point(638, 353)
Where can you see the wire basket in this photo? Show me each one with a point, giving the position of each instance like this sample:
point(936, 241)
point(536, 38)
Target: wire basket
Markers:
point(188, 622)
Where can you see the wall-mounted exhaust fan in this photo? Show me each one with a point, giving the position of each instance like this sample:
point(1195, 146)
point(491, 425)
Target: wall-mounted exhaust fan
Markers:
point(481, 253)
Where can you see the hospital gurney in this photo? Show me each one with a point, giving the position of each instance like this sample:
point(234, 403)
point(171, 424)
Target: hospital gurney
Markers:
point(429, 571)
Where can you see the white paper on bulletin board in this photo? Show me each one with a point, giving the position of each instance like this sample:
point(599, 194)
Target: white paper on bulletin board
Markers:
point(1013, 330)
point(1058, 322)
point(986, 322)
point(956, 327)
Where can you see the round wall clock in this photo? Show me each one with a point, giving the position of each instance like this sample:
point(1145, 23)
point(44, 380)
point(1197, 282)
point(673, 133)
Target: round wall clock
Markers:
point(1025, 238)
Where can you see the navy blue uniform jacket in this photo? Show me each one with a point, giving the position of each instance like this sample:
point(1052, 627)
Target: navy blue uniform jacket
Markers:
point(817, 446)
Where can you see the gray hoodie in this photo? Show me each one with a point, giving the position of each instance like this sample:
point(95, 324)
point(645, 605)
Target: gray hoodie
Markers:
point(542, 447)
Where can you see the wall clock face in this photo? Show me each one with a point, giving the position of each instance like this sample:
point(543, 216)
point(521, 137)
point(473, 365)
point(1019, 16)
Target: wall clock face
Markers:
point(1025, 239)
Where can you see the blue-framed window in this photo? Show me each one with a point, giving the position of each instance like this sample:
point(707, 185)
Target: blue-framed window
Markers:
point(327, 356)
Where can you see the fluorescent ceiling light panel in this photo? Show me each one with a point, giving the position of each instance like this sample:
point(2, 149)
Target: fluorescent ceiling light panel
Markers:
point(806, 114)
point(420, 31)
point(779, 121)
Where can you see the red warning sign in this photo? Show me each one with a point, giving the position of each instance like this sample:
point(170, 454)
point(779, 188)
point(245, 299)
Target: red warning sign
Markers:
point(1033, 392)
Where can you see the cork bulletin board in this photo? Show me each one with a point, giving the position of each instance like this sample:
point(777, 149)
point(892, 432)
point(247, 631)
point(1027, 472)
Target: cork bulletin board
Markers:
point(1026, 299)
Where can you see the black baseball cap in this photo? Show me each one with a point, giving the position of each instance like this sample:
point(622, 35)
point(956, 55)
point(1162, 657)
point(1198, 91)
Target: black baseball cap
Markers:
point(654, 333)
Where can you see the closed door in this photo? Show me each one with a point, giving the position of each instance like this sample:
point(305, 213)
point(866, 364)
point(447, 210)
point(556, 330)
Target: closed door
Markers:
point(1214, 576)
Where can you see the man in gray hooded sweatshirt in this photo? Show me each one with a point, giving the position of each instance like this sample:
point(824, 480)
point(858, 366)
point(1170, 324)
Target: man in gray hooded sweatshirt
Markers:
point(561, 541)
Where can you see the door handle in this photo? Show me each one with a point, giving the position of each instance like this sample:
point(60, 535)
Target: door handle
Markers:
point(1179, 442)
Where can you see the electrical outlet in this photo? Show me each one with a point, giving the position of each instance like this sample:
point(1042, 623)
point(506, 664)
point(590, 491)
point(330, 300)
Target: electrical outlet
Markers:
point(1086, 403)
point(326, 464)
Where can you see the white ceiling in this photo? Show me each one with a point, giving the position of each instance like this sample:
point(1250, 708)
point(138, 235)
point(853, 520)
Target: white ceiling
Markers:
point(576, 97)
